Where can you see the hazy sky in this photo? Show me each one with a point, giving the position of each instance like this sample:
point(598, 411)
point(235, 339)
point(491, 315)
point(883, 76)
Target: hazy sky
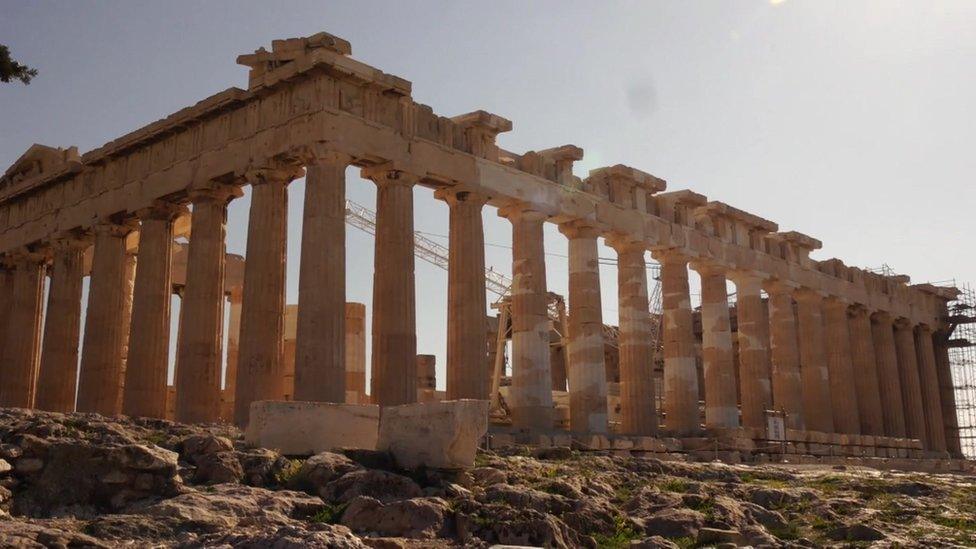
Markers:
point(850, 121)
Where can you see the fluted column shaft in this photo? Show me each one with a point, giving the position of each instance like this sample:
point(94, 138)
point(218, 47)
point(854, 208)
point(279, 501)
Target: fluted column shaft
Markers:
point(889, 379)
point(785, 355)
point(721, 401)
point(637, 399)
point(947, 394)
point(531, 393)
point(234, 298)
point(911, 388)
point(260, 364)
point(931, 398)
point(148, 359)
point(467, 323)
point(756, 392)
point(21, 349)
point(817, 411)
point(843, 394)
point(866, 373)
point(100, 381)
point(394, 353)
point(200, 339)
point(680, 370)
point(6, 298)
point(58, 376)
point(320, 336)
point(587, 370)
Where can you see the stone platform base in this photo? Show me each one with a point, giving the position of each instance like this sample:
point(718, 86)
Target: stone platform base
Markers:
point(746, 446)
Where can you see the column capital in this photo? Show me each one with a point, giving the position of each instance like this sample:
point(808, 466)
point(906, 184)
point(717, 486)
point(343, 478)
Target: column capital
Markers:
point(836, 302)
point(705, 267)
point(775, 286)
point(162, 210)
point(882, 317)
point(746, 278)
point(902, 323)
point(26, 256)
point(808, 295)
point(521, 211)
point(671, 255)
point(459, 194)
point(925, 328)
point(215, 192)
point(389, 174)
point(281, 175)
point(622, 243)
point(72, 240)
point(322, 154)
point(117, 229)
point(580, 228)
point(858, 310)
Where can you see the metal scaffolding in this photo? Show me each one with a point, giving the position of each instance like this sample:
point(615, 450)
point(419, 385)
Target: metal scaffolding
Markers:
point(962, 364)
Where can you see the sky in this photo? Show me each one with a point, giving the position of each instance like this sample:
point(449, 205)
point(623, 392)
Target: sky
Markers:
point(848, 120)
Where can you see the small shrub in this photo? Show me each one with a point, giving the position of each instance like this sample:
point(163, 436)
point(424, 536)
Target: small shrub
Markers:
point(330, 514)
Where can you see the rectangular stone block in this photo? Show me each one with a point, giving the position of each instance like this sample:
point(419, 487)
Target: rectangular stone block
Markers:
point(562, 439)
point(297, 428)
point(622, 443)
point(502, 440)
point(439, 435)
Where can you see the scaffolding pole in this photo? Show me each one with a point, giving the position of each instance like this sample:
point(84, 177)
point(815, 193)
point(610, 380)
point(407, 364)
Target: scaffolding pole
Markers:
point(962, 364)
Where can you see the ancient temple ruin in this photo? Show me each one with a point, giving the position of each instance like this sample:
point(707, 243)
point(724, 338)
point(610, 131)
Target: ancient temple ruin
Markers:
point(846, 358)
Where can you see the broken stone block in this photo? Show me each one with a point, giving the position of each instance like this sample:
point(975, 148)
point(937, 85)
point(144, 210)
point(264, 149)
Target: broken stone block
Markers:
point(440, 435)
point(305, 428)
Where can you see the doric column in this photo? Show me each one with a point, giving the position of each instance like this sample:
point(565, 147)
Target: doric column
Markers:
point(467, 353)
point(6, 297)
point(911, 389)
point(931, 399)
point(128, 289)
point(865, 364)
point(356, 351)
point(320, 333)
point(947, 393)
point(21, 349)
point(756, 392)
point(785, 355)
point(680, 371)
point(106, 326)
point(637, 400)
point(721, 401)
point(531, 392)
point(148, 359)
point(260, 365)
point(587, 371)
point(58, 375)
point(200, 339)
point(235, 297)
point(813, 362)
point(394, 353)
point(843, 394)
point(889, 380)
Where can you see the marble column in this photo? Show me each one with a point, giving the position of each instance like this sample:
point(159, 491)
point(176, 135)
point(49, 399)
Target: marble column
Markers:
point(721, 400)
point(865, 365)
point(586, 367)
point(681, 414)
point(200, 339)
point(889, 380)
point(843, 394)
point(58, 376)
point(355, 352)
point(817, 411)
point(785, 355)
point(911, 389)
point(947, 394)
point(467, 325)
point(320, 363)
point(6, 297)
point(756, 393)
point(128, 290)
point(148, 359)
point(235, 297)
point(20, 354)
point(637, 400)
point(531, 392)
point(100, 381)
point(931, 398)
point(260, 364)
point(394, 352)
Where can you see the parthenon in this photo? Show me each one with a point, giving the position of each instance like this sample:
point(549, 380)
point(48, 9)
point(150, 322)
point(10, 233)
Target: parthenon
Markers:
point(857, 357)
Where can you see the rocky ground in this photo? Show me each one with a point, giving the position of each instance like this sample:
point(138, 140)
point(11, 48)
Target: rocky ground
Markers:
point(81, 480)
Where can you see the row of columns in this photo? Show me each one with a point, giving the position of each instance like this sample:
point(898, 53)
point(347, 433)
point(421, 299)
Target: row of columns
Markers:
point(829, 367)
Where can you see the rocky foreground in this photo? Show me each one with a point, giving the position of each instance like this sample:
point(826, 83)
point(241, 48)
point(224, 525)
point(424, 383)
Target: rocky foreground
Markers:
point(82, 480)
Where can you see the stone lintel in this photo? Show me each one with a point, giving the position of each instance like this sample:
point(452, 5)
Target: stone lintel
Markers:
point(683, 197)
point(799, 240)
point(754, 222)
point(631, 176)
point(490, 123)
point(562, 153)
point(39, 164)
point(947, 293)
point(834, 267)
